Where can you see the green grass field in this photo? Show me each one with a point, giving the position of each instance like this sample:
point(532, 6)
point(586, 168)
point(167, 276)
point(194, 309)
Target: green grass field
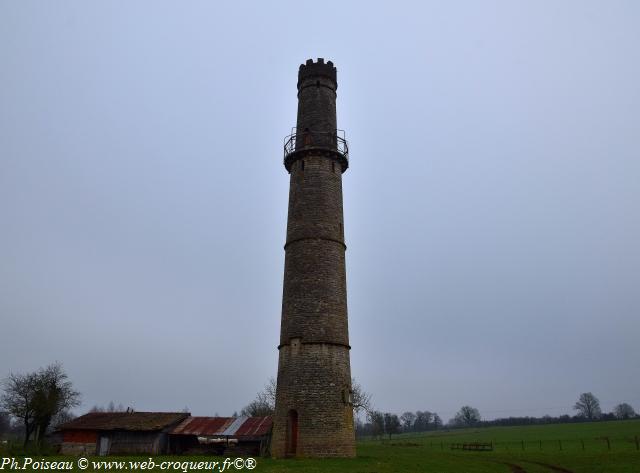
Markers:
point(530, 449)
point(577, 448)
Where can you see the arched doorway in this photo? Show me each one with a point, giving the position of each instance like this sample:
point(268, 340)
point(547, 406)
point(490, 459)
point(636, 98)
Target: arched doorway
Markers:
point(292, 433)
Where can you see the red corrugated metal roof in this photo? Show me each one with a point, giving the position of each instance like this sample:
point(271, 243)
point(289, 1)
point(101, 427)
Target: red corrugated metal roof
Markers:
point(255, 426)
point(229, 426)
point(203, 425)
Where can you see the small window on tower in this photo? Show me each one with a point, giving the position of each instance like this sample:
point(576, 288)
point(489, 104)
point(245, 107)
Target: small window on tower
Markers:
point(333, 167)
point(302, 165)
point(347, 396)
point(317, 83)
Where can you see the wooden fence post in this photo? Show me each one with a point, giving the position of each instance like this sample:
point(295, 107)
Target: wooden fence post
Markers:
point(582, 442)
point(608, 444)
point(560, 443)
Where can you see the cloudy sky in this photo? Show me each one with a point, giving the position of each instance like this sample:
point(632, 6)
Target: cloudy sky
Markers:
point(492, 206)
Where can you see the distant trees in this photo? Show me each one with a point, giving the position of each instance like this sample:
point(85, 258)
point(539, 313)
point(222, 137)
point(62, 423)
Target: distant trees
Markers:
point(380, 423)
point(376, 421)
point(588, 406)
point(423, 418)
point(624, 411)
point(467, 416)
point(111, 407)
point(420, 421)
point(407, 419)
point(436, 421)
point(391, 424)
point(37, 398)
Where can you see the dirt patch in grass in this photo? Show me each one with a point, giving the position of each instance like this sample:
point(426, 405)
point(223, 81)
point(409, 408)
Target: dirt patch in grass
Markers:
point(555, 468)
point(515, 468)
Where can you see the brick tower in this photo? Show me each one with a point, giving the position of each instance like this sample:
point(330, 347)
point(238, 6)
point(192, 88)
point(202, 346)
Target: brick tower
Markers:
point(314, 416)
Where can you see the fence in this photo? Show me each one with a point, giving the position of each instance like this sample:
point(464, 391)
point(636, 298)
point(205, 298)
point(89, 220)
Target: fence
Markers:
point(599, 443)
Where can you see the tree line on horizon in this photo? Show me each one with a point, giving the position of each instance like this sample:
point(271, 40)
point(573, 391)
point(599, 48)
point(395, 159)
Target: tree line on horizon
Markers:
point(587, 407)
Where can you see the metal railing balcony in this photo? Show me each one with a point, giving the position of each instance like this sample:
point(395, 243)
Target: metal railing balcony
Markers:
point(305, 140)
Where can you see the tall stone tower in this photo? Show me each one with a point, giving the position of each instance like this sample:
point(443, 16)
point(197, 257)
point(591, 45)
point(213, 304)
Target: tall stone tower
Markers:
point(314, 416)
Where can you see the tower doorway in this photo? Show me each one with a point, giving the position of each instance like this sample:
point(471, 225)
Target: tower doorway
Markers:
point(292, 433)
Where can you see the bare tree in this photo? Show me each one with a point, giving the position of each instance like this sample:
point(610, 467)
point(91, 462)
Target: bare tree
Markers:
point(468, 416)
point(111, 407)
point(18, 400)
point(62, 417)
point(37, 398)
point(624, 411)
point(265, 402)
point(54, 394)
point(256, 409)
point(269, 392)
point(588, 406)
point(360, 399)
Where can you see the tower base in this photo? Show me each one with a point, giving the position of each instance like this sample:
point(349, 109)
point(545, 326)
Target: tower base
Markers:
point(314, 415)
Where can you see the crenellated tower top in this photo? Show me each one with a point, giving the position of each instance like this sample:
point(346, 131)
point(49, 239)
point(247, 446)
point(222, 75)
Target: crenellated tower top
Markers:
point(311, 72)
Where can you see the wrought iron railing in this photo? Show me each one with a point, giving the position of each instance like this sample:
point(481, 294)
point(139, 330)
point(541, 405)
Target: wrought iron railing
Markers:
point(316, 139)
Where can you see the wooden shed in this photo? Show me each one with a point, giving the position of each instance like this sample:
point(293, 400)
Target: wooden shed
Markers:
point(105, 433)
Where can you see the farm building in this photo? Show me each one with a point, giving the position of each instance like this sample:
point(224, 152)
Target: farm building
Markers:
point(106, 433)
point(217, 435)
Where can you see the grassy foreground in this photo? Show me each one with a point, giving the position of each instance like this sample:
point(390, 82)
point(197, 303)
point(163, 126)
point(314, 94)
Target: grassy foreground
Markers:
point(531, 449)
point(569, 448)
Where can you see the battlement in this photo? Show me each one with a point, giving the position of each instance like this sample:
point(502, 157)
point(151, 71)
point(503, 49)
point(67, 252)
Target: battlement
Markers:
point(317, 69)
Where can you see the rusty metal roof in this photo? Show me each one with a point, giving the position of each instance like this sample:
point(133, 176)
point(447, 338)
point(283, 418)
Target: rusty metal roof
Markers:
point(255, 426)
point(202, 425)
point(224, 426)
point(139, 421)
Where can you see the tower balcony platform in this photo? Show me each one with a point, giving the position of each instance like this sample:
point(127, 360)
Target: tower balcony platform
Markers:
point(299, 144)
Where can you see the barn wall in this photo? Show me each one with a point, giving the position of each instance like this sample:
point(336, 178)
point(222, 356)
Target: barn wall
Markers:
point(78, 448)
point(80, 436)
point(78, 442)
point(137, 442)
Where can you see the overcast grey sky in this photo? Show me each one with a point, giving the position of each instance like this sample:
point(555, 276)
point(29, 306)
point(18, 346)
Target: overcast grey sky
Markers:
point(492, 206)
